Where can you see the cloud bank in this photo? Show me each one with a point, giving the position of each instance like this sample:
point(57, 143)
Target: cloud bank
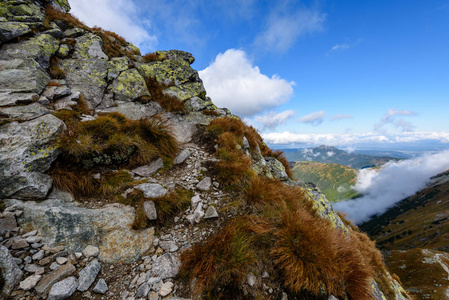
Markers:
point(118, 16)
point(233, 82)
point(392, 183)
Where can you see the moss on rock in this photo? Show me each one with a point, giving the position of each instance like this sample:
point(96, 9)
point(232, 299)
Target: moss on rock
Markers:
point(129, 85)
point(187, 91)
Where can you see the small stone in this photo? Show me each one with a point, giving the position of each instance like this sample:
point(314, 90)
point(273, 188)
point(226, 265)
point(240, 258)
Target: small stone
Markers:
point(143, 290)
point(211, 212)
point(28, 259)
point(45, 261)
point(182, 156)
point(150, 210)
point(39, 255)
point(63, 289)
point(147, 171)
point(30, 282)
point(36, 245)
point(33, 239)
point(166, 288)
point(31, 268)
point(251, 278)
point(54, 266)
point(285, 297)
point(153, 296)
point(152, 190)
point(204, 184)
point(19, 244)
point(78, 255)
point(61, 260)
point(88, 274)
point(168, 246)
point(101, 287)
point(91, 251)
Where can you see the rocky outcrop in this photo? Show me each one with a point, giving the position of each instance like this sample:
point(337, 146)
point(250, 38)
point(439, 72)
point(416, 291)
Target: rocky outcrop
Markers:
point(10, 274)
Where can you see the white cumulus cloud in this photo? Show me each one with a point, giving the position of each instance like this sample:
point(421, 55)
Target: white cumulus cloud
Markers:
point(340, 117)
point(118, 16)
point(391, 117)
point(273, 119)
point(315, 118)
point(233, 82)
point(392, 183)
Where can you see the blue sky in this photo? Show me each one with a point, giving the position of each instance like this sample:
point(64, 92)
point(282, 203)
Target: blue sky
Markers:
point(341, 72)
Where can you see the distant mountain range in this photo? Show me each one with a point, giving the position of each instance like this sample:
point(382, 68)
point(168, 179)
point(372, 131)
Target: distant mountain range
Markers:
point(414, 237)
point(334, 180)
point(329, 154)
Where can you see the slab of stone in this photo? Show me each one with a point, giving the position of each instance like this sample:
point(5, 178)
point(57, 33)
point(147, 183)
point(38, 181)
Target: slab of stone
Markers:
point(90, 251)
point(143, 290)
point(89, 46)
point(129, 85)
point(166, 266)
point(19, 243)
point(182, 156)
point(166, 288)
point(7, 224)
point(48, 281)
point(32, 239)
point(63, 289)
point(211, 212)
point(27, 186)
point(101, 287)
point(10, 272)
point(132, 110)
point(88, 275)
point(39, 255)
point(205, 184)
point(24, 113)
point(147, 171)
point(23, 76)
point(11, 30)
point(30, 282)
point(12, 99)
point(152, 190)
point(150, 210)
point(61, 260)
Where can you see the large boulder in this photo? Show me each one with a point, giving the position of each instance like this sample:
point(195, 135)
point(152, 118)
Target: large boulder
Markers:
point(10, 274)
point(11, 30)
point(40, 48)
point(21, 76)
point(173, 71)
point(87, 76)
point(134, 110)
point(75, 227)
point(187, 91)
point(27, 147)
point(24, 113)
point(177, 54)
point(129, 86)
point(118, 65)
point(22, 11)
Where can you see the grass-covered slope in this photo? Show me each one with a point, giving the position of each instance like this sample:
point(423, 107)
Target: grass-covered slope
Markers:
point(332, 179)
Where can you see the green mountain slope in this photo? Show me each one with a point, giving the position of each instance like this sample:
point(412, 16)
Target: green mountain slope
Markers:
point(329, 154)
point(332, 179)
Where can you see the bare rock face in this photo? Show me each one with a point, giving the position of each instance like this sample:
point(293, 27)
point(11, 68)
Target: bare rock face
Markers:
point(9, 272)
point(76, 227)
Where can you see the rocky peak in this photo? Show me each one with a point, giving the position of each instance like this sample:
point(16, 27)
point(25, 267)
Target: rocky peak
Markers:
point(116, 170)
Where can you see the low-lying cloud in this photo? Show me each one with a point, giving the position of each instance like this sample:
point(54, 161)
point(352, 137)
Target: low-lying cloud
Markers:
point(233, 82)
point(392, 183)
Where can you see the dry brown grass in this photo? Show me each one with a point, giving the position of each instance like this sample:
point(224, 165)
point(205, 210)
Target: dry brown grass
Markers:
point(52, 14)
point(112, 42)
point(54, 70)
point(167, 102)
point(172, 203)
point(152, 56)
point(279, 155)
point(54, 83)
point(210, 112)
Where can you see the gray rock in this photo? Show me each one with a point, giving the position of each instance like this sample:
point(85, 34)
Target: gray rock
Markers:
point(75, 227)
point(39, 255)
point(86, 76)
point(40, 48)
point(19, 243)
point(133, 110)
point(54, 266)
point(9, 271)
point(11, 30)
point(101, 287)
point(166, 288)
point(74, 32)
point(87, 275)
point(152, 190)
point(24, 113)
point(31, 268)
point(168, 246)
point(27, 185)
point(48, 281)
point(117, 65)
point(204, 184)
point(147, 171)
point(91, 251)
point(143, 290)
point(150, 210)
point(89, 46)
point(30, 282)
point(182, 129)
point(251, 279)
point(22, 76)
point(7, 224)
point(63, 289)
point(166, 266)
point(211, 212)
point(197, 215)
point(331, 297)
point(182, 156)
point(33, 239)
point(276, 169)
point(12, 99)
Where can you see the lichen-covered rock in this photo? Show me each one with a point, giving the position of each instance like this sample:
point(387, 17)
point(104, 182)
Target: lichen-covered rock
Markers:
point(172, 71)
point(76, 227)
point(27, 186)
point(22, 76)
point(24, 113)
point(89, 46)
point(129, 86)
point(9, 272)
point(11, 30)
point(177, 54)
point(63, 51)
point(27, 147)
point(186, 91)
point(63, 5)
point(12, 99)
point(117, 65)
point(133, 110)
point(275, 169)
point(21, 11)
point(40, 48)
point(87, 76)
point(198, 104)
